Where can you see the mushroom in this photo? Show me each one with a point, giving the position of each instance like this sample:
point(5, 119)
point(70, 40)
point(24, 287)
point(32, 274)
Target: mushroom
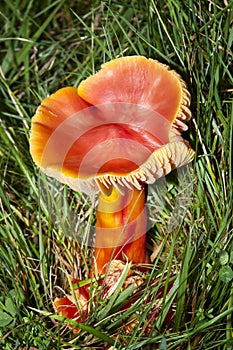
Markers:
point(119, 131)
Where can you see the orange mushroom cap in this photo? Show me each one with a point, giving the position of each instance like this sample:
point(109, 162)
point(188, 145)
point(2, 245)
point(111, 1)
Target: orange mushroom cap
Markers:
point(120, 127)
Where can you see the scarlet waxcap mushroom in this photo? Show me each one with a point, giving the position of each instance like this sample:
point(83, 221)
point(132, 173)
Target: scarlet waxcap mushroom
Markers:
point(117, 132)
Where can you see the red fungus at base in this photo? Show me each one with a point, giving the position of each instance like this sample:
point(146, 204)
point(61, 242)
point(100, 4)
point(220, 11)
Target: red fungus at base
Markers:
point(119, 131)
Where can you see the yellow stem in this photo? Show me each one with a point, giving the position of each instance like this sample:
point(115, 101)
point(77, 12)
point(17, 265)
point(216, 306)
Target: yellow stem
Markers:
point(120, 228)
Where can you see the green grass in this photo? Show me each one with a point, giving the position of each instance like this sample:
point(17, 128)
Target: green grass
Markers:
point(47, 45)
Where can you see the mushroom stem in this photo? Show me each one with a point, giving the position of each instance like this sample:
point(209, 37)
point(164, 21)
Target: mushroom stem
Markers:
point(120, 228)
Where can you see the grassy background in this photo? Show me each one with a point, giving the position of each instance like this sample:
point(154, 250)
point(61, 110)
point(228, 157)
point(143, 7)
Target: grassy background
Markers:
point(46, 45)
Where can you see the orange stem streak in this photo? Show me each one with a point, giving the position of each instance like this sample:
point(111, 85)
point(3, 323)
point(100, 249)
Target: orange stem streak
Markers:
point(120, 228)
